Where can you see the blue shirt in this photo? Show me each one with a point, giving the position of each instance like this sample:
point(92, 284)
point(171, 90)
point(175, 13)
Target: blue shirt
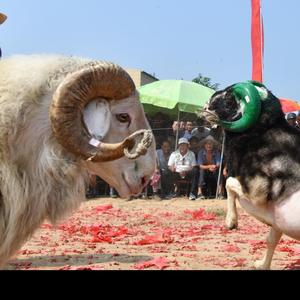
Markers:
point(216, 158)
point(200, 135)
point(187, 135)
point(162, 160)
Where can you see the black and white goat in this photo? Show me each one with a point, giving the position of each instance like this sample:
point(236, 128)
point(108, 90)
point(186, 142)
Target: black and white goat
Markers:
point(263, 155)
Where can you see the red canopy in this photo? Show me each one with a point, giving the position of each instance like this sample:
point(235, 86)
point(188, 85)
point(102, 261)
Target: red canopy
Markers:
point(289, 105)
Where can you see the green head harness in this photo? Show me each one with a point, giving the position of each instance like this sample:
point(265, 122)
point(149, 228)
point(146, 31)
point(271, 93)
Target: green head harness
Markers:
point(250, 94)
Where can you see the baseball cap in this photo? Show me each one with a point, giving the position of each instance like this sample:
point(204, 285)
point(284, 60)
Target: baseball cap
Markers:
point(291, 116)
point(183, 141)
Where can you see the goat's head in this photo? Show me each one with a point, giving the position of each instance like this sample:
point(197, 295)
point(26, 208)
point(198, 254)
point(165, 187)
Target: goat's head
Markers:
point(96, 115)
point(238, 107)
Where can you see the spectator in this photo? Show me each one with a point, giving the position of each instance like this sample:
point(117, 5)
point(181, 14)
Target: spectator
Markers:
point(298, 119)
point(200, 132)
point(182, 126)
point(160, 124)
point(194, 145)
point(292, 120)
point(182, 164)
point(172, 140)
point(188, 131)
point(166, 180)
point(209, 163)
point(176, 128)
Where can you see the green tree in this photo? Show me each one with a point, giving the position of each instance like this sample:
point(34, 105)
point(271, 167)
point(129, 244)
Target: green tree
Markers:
point(206, 81)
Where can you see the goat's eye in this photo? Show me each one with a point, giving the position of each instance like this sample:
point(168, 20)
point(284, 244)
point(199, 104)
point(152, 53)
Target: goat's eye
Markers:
point(123, 118)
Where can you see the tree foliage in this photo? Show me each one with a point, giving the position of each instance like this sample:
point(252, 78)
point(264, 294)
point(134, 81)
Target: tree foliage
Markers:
point(206, 81)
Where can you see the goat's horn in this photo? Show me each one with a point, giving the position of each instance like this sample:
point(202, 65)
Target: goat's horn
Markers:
point(250, 97)
point(97, 80)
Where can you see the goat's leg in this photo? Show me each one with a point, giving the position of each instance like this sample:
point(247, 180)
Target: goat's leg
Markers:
point(272, 241)
point(233, 192)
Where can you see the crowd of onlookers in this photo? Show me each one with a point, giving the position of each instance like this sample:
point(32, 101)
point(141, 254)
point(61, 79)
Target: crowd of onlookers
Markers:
point(188, 160)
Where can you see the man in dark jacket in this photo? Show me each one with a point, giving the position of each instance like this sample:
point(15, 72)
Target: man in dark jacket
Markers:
point(292, 120)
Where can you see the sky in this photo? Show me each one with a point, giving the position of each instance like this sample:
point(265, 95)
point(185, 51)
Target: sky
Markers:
point(170, 39)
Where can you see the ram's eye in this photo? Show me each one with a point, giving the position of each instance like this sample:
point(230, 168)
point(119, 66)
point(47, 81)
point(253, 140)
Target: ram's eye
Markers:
point(123, 118)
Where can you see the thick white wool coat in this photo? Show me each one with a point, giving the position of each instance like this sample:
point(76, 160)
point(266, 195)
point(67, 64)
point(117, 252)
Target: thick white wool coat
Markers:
point(38, 179)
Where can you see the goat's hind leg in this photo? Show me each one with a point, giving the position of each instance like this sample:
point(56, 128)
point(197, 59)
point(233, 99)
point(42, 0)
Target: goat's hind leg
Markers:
point(233, 191)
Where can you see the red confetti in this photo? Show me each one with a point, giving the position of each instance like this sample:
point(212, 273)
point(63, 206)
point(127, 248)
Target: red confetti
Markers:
point(154, 239)
point(231, 248)
point(159, 262)
point(200, 214)
point(103, 208)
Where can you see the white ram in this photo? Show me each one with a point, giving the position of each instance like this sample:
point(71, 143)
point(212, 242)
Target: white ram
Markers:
point(57, 117)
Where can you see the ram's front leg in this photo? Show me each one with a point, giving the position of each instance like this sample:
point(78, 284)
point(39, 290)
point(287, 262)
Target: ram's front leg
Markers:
point(272, 241)
point(234, 191)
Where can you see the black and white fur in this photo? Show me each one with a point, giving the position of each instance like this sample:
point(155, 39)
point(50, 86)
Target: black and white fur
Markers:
point(264, 167)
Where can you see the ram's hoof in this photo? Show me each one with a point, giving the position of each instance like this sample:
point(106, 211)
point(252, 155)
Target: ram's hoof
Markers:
point(261, 265)
point(231, 223)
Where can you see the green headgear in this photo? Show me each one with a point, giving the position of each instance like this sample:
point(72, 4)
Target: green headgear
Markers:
point(250, 98)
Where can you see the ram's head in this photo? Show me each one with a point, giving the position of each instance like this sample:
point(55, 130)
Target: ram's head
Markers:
point(96, 115)
point(238, 107)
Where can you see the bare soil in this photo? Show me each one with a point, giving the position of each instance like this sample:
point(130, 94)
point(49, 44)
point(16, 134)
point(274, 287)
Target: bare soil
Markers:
point(178, 234)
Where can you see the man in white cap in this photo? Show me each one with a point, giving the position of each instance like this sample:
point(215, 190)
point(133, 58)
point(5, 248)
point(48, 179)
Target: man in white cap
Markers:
point(182, 163)
point(3, 18)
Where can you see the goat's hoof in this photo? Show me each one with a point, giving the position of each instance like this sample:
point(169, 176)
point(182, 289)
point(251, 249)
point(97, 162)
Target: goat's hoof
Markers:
point(260, 265)
point(231, 224)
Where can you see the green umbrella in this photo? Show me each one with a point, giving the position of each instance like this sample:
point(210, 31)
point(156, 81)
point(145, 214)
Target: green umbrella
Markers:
point(174, 96)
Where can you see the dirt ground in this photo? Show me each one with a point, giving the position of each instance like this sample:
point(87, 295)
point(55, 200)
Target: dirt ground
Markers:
point(178, 234)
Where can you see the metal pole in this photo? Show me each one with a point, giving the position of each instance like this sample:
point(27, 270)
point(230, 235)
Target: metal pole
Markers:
point(177, 132)
point(220, 168)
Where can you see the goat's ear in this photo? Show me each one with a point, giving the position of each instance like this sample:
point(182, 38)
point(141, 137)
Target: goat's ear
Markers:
point(248, 95)
point(97, 118)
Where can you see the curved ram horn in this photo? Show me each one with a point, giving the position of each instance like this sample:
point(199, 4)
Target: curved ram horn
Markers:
point(97, 80)
point(105, 151)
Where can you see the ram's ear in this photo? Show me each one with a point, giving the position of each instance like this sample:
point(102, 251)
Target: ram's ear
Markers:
point(248, 95)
